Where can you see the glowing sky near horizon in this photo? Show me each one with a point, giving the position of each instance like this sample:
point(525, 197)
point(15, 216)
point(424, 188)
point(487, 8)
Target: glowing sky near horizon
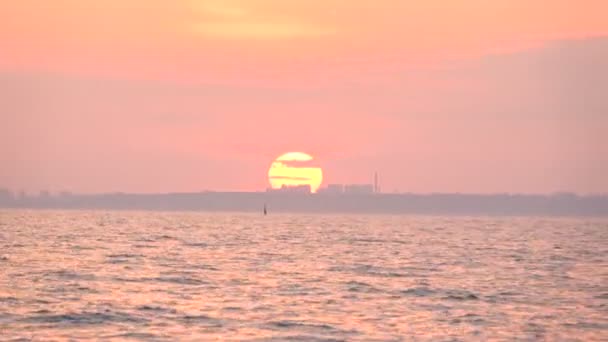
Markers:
point(438, 95)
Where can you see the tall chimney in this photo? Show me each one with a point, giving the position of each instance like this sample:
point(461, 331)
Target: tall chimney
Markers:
point(376, 190)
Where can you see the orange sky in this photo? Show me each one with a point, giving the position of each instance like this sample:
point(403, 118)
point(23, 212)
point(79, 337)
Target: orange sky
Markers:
point(217, 39)
point(213, 90)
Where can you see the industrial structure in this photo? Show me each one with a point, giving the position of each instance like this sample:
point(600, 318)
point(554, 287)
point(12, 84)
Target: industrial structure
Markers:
point(353, 189)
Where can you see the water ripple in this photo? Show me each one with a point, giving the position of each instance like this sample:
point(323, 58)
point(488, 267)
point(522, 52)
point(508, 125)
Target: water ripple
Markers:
point(192, 276)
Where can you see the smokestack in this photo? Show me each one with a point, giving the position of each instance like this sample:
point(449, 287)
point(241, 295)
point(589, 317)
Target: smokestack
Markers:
point(376, 190)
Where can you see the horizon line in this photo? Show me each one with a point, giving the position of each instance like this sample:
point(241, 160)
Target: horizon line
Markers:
point(60, 193)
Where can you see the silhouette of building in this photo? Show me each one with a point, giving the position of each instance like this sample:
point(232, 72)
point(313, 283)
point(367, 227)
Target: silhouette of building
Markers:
point(6, 196)
point(339, 189)
point(359, 189)
point(297, 189)
point(65, 194)
point(333, 189)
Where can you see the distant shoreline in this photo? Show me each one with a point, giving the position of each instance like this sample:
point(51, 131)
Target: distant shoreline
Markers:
point(564, 204)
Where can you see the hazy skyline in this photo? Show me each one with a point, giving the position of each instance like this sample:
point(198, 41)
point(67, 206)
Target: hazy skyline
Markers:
point(439, 96)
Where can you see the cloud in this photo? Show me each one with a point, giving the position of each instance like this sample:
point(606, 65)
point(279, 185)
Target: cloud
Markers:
point(240, 20)
point(220, 9)
point(251, 29)
point(290, 178)
point(297, 163)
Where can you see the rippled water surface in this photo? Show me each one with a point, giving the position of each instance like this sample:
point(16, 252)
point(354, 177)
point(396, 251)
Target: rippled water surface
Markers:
point(193, 276)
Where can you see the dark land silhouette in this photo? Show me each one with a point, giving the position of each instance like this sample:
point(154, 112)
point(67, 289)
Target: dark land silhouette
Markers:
point(560, 204)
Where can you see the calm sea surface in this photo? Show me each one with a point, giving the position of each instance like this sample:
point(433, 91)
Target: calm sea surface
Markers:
point(246, 277)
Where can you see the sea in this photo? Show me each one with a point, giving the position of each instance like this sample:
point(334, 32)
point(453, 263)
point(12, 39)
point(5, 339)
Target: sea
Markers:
point(191, 276)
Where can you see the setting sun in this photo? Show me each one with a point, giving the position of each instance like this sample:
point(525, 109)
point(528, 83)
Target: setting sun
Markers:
point(295, 169)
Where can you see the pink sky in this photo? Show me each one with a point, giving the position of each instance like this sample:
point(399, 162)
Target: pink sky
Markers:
point(437, 96)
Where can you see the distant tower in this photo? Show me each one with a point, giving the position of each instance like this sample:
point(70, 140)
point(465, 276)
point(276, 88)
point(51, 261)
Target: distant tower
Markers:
point(376, 189)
